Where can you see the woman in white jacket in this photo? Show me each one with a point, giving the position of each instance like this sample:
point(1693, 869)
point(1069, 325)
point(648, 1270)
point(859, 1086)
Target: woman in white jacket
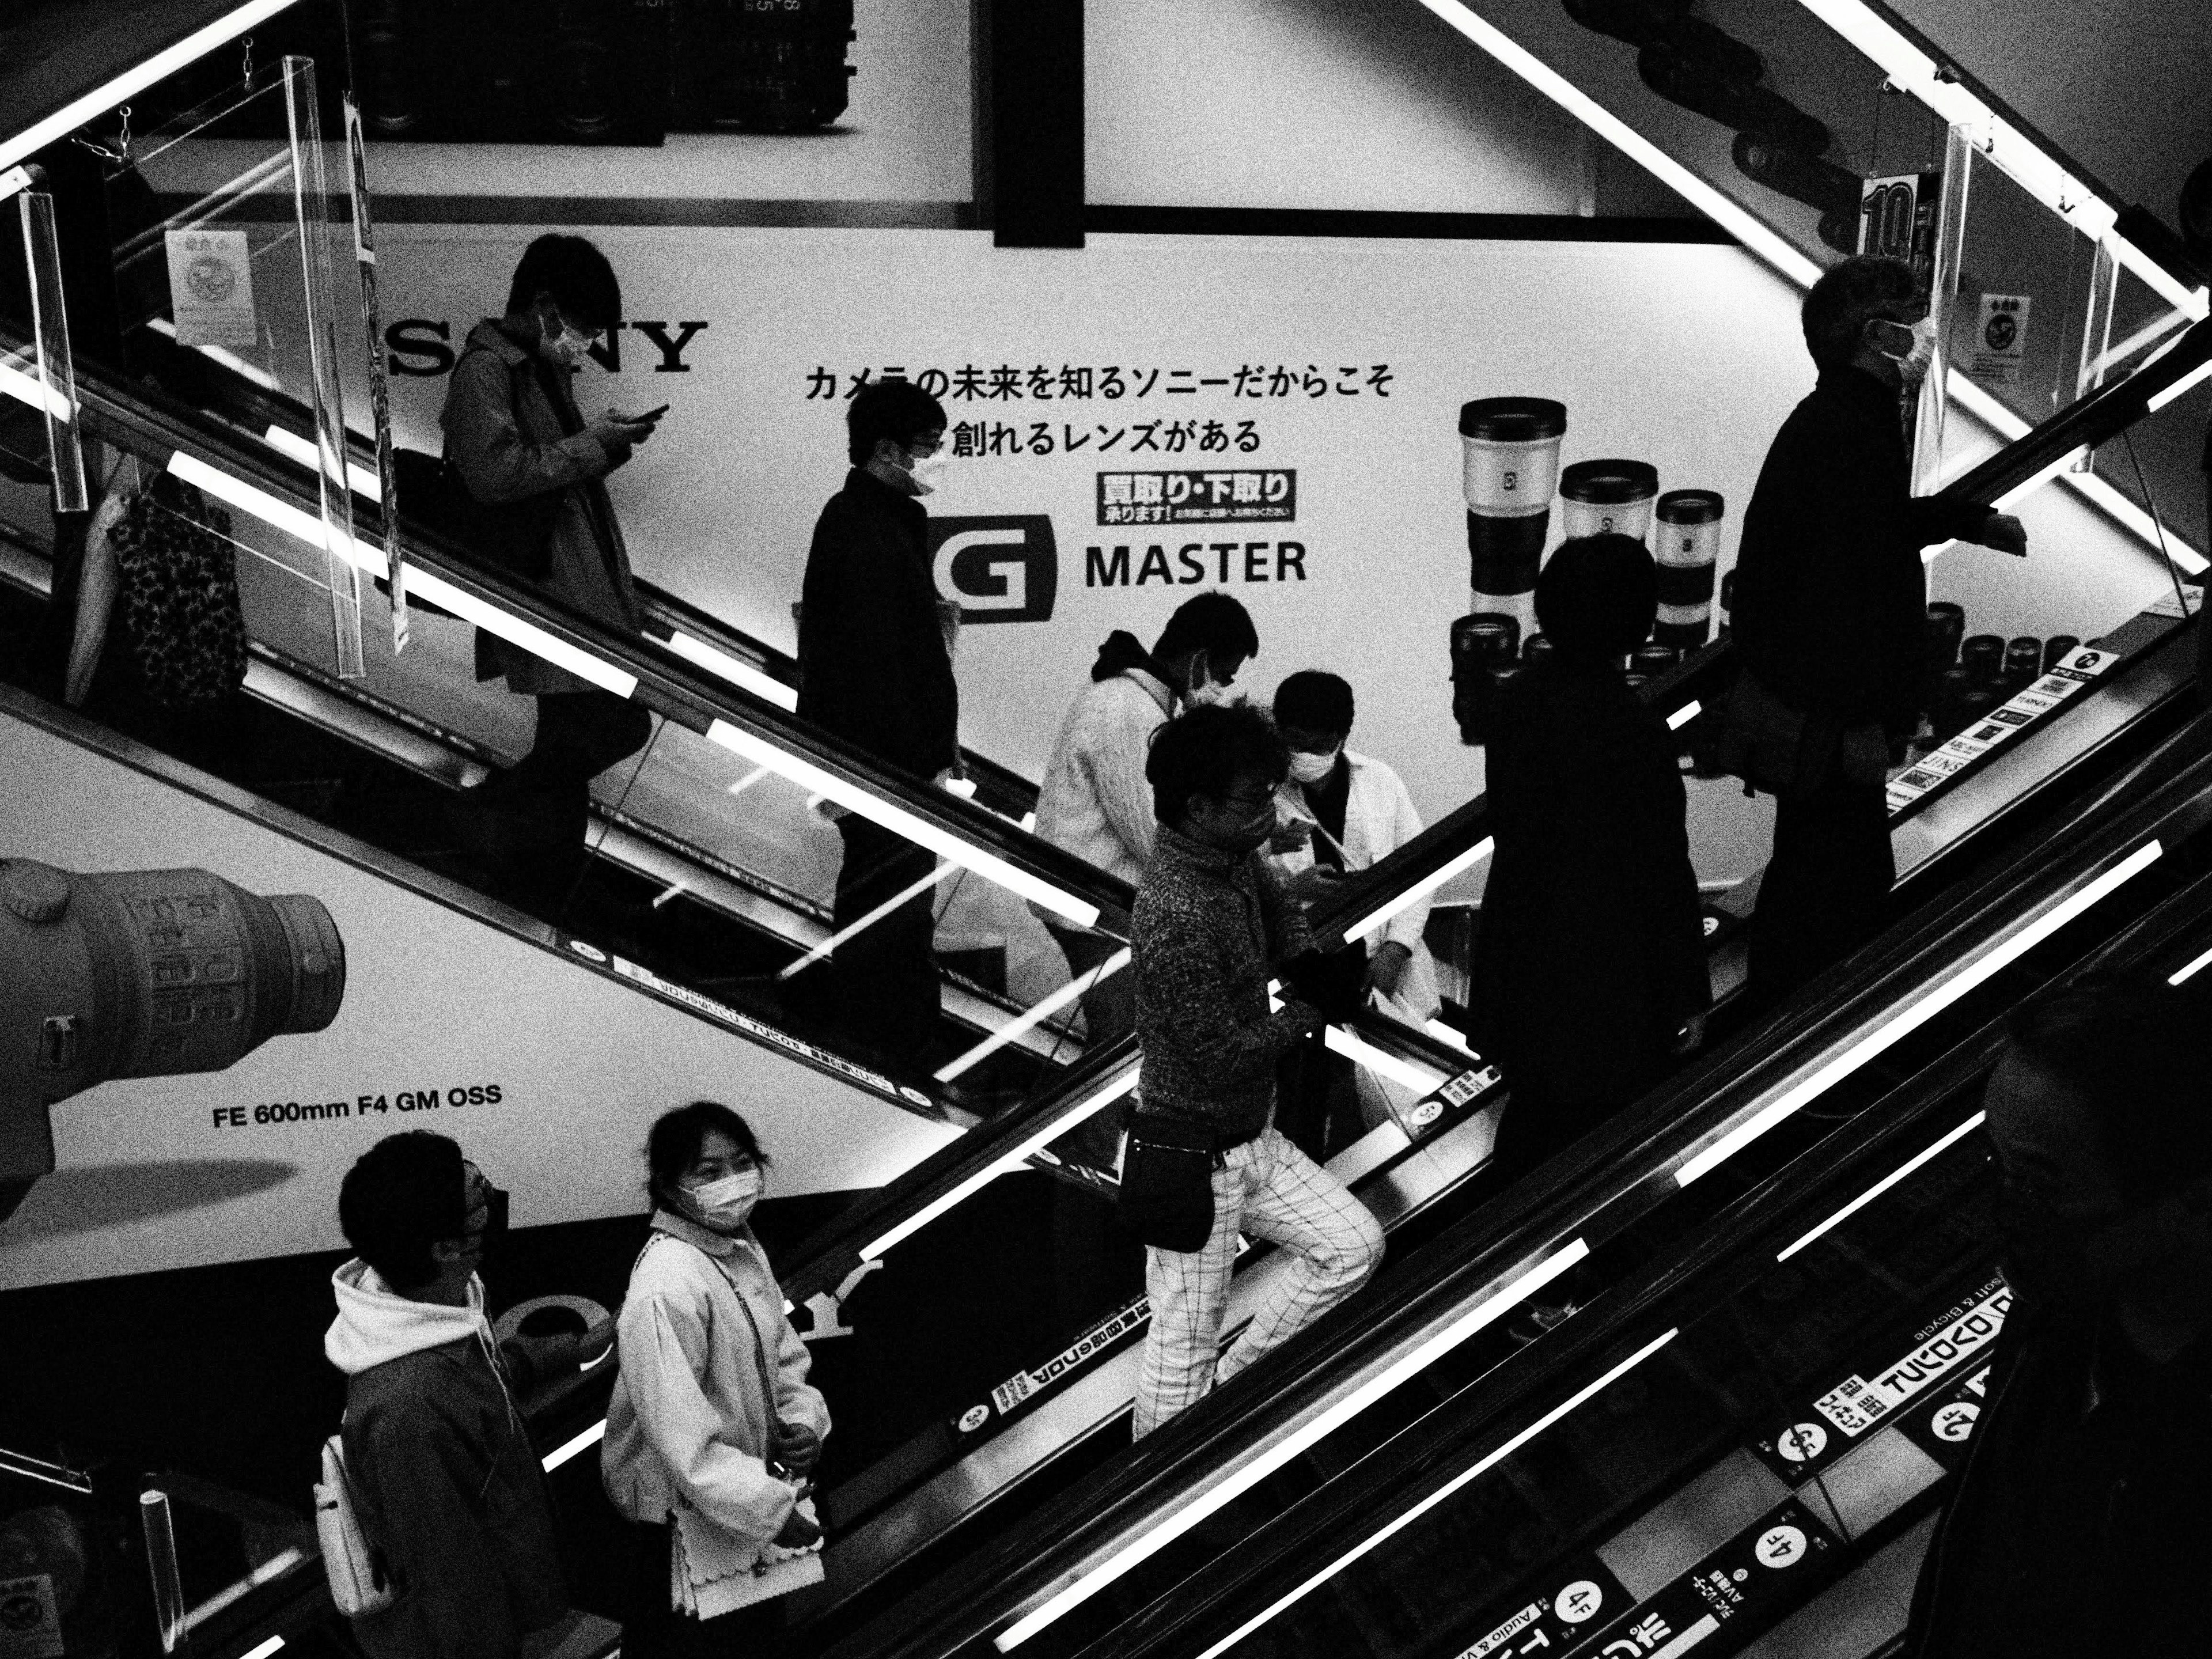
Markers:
point(713, 1429)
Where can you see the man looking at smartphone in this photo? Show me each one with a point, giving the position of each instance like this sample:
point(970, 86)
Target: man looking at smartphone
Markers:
point(517, 444)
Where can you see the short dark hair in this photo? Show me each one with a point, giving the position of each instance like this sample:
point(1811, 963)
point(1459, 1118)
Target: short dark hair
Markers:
point(1597, 596)
point(572, 271)
point(1212, 622)
point(1206, 751)
point(1849, 296)
point(2129, 1044)
point(402, 1196)
point(1311, 700)
point(672, 1147)
point(897, 410)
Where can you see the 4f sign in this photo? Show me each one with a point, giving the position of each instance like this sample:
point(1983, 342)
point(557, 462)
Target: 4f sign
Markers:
point(1001, 569)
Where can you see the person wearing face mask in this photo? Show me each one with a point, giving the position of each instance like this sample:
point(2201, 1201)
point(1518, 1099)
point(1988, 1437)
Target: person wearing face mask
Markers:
point(1212, 926)
point(517, 444)
point(1830, 613)
point(2079, 1524)
point(1337, 813)
point(876, 670)
point(713, 1431)
point(447, 1486)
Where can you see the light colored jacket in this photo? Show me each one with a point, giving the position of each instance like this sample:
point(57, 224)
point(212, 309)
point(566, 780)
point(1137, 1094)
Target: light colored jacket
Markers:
point(506, 439)
point(702, 1341)
point(1378, 819)
point(1094, 801)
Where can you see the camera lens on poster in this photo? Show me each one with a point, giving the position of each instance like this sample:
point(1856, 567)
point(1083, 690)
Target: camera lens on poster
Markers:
point(1536, 649)
point(1510, 471)
point(1946, 626)
point(1946, 702)
point(1607, 498)
point(1653, 660)
point(2023, 658)
point(1728, 601)
point(1480, 643)
point(1982, 655)
point(2058, 648)
point(1689, 543)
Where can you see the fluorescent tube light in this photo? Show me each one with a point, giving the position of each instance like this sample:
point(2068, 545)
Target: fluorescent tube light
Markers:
point(1123, 1082)
point(1736, 220)
point(30, 389)
point(1265, 1462)
point(274, 1568)
point(1884, 1185)
point(850, 929)
point(14, 182)
point(1379, 1062)
point(2191, 971)
point(1488, 1460)
point(1027, 1021)
point(223, 354)
point(1916, 1014)
point(166, 62)
point(274, 1644)
point(899, 821)
point(1421, 889)
point(740, 673)
point(285, 442)
point(2195, 378)
point(1451, 1033)
point(1682, 716)
point(424, 583)
point(561, 1454)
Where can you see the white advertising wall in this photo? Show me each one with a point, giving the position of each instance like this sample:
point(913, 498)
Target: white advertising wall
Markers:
point(548, 1073)
point(1293, 402)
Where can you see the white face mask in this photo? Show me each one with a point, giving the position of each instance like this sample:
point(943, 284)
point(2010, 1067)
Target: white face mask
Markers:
point(1312, 768)
point(928, 471)
point(1205, 692)
point(567, 348)
point(1914, 364)
point(724, 1204)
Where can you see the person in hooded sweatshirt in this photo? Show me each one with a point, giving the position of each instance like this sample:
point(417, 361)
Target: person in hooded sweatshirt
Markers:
point(445, 1480)
point(1591, 971)
point(713, 1431)
point(1094, 801)
point(518, 443)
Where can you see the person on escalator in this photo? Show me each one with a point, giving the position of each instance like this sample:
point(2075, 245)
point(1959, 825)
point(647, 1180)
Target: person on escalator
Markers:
point(1339, 812)
point(2080, 1523)
point(875, 669)
point(713, 1431)
point(535, 470)
point(1829, 616)
point(446, 1484)
point(1591, 971)
point(1212, 928)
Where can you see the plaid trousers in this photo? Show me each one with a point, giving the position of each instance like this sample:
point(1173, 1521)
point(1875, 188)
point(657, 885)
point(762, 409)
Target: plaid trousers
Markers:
point(1269, 1189)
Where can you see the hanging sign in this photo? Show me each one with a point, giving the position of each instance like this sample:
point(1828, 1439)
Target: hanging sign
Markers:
point(2000, 339)
point(211, 289)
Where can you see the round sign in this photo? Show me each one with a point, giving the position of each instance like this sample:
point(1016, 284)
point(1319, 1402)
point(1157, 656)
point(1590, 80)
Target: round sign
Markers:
point(915, 1096)
point(589, 952)
point(1425, 1114)
point(974, 1418)
point(211, 279)
point(1579, 1601)
point(1956, 1420)
point(1800, 1443)
point(1779, 1546)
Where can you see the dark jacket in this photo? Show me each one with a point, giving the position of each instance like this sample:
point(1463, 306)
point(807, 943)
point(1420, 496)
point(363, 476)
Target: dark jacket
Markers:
point(512, 432)
point(1208, 929)
point(444, 1478)
point(873, 667)
point(1592, 953)
point(2079, 1526)
point(1830, 596)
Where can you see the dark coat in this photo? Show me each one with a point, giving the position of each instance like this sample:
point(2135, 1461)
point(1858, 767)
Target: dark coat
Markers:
point(2079, 1525)
point(448, 1484)
point(1592, 953)
point(873, 666)
point(1830, 596)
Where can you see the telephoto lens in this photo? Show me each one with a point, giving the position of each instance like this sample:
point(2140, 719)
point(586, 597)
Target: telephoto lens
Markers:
point(1607, 498)
point(1947, 704)
point(2058, 648)
point(1653, 660)
point(1689, 541)
point(1727, 600)
point(1509, 473)
point(1982, 655)
point(1480, 643)
point(1946, 626)
point(1536, 649)
point(2023, 659)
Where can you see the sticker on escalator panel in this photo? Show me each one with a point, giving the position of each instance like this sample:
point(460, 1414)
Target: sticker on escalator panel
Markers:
point(1550, 1616)
point(1856, 1404)
point(974, 1418)
point(1026, 1385)
point(1759, 1577)
point(30, 1619)
point(1945, 1429)
point(2080, 668)
point(211, 289)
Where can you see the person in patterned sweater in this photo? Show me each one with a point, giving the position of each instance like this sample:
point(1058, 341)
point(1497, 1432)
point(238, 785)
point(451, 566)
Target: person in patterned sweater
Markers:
point(1212, 926)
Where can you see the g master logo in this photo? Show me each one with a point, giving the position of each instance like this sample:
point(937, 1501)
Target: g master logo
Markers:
point(1000, 569)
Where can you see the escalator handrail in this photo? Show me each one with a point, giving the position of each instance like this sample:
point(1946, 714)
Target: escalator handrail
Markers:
point(141, 420)
point(1740, 1240)
point(1633, 1156)
point(2088, 422)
